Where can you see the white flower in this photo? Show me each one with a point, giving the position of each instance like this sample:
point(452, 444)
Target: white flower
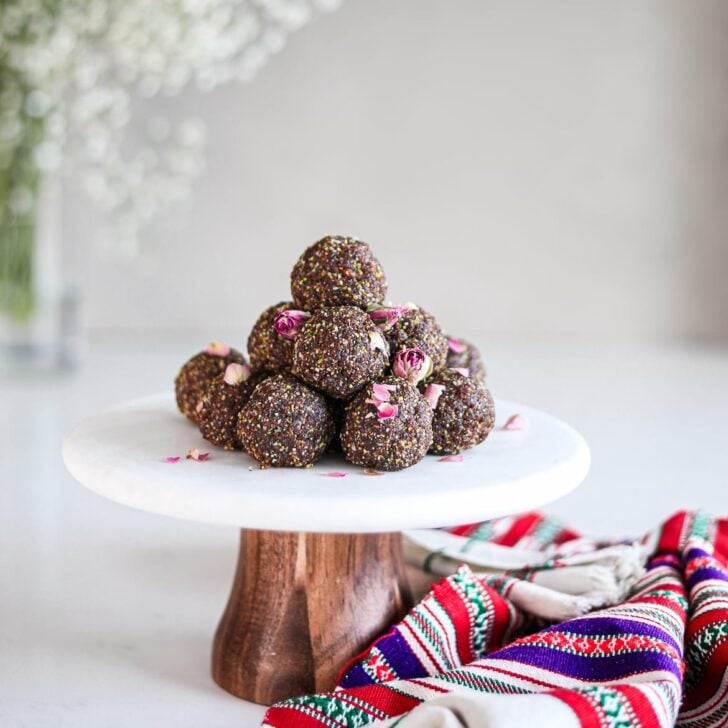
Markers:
point(74, 64)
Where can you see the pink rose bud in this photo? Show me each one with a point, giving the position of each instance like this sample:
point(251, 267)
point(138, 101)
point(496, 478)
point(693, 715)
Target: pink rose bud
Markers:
point(236, 373)
point(412, 364)
point(433, 393)
point(218, 348)
point(288, 323)
point(456, 346)
point(462, 371)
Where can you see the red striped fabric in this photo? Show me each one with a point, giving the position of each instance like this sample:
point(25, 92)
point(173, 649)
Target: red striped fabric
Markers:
point(656, 660)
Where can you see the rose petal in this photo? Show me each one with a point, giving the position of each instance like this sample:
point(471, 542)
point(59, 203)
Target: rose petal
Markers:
point(516, 422)
point(385, 317)
point(433, 393)
point(335, 474)
point(462, 371)
point(456, 346)
point(236, 373)
point(387, 411)
point(173, 458)
point(377, 342)
point(194, 454)
point(451, 459)
point(371, 471)
point(217, 348)
point(381, 391)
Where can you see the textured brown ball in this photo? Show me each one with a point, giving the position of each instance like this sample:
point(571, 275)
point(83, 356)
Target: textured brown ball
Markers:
point(339, 350)
point(220, 406)
point(417, 329)
point(464, 415)
point(337, 271)
point(268, 350)
point(337, 407)
point(196, 375)
point(285, 424)
point(469, 359)
point(387, 444)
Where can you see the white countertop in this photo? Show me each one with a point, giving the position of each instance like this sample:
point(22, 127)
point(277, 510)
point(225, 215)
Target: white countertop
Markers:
point(108, 613)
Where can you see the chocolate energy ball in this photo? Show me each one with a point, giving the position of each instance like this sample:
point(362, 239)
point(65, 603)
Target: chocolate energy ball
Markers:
point(221, 403)
point(388, 426)
point(285, 424)
point(339, 350)
point(464, 412)
point(268, 350)
point(198, 372)
point(337, 271)
point(464, 355)
point(417, 329)
point(337, 407)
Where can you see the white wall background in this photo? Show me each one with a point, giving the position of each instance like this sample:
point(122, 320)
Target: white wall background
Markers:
point(549, 167)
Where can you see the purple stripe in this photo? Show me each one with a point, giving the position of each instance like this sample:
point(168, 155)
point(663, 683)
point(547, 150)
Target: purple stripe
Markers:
point(356, 677)
point(705, 573)
point(397, 653)
point(614, 627)
point(664, 560)
point(696, 553)
point(585, 667)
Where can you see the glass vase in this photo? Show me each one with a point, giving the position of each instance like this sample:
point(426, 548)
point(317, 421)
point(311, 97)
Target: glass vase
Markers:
point(38, 304)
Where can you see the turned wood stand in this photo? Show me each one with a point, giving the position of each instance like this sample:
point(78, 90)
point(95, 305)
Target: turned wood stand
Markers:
point(320, 571)
point(301, 606)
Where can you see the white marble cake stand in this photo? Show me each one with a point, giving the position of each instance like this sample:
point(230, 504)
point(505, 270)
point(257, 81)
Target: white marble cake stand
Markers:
point(320, 571)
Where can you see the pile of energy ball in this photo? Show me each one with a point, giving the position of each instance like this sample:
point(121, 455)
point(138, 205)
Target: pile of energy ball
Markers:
point(338, 368)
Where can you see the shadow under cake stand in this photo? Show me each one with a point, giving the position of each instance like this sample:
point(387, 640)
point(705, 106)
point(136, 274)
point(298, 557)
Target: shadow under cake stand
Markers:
point(320, 572)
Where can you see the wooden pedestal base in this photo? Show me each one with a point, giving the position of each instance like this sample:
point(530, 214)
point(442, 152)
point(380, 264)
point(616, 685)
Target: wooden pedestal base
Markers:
point(302, 604)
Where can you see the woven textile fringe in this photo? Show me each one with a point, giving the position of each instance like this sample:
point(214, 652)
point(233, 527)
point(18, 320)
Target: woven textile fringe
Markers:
point(551, 587)
point(645, 643)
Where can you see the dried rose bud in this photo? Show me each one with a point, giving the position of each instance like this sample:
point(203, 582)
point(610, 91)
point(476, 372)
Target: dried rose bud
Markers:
point(288, 323)
point(412, 364)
